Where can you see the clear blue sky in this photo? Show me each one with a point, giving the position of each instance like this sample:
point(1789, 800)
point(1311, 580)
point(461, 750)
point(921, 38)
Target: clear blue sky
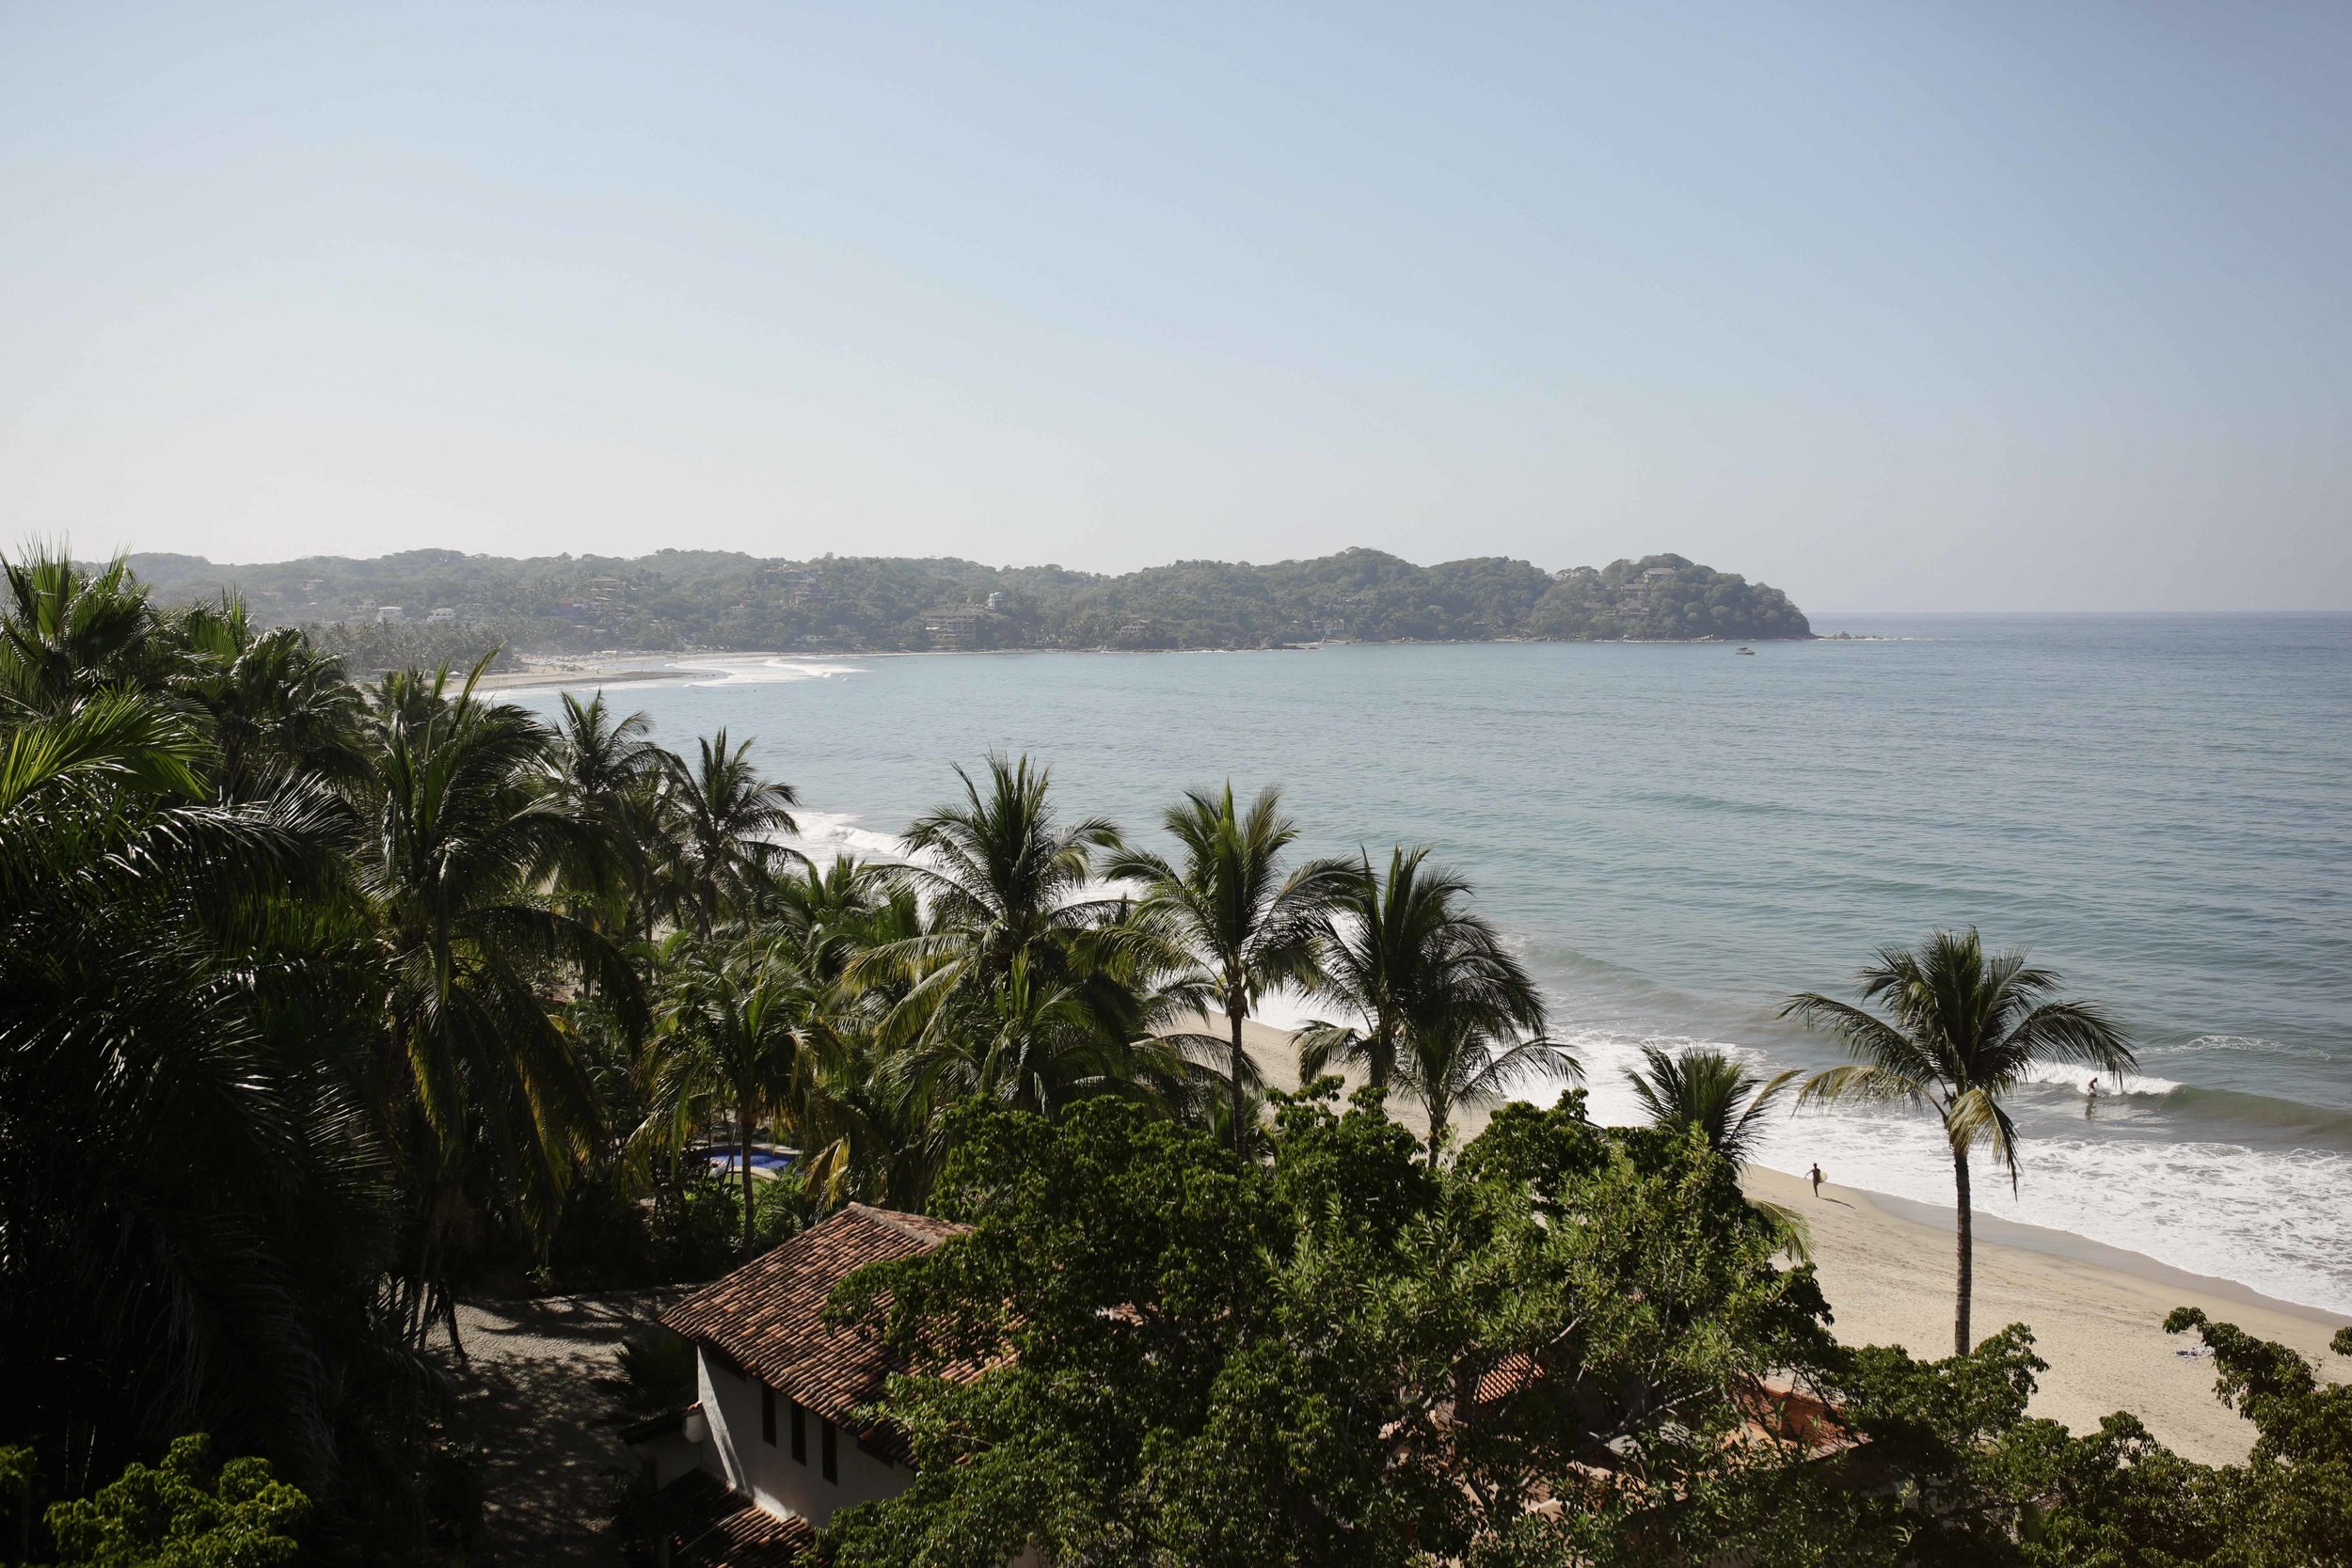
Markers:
point(1904, 306)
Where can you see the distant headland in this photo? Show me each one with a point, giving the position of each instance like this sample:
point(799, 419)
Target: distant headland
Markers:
point(443, 602)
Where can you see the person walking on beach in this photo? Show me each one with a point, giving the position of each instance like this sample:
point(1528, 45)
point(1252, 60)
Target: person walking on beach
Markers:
point(1816, 1179)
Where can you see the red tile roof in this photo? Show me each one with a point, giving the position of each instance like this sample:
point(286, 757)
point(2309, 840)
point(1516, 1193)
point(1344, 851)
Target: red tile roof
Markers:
point(767, 1316)
point(708, 1526)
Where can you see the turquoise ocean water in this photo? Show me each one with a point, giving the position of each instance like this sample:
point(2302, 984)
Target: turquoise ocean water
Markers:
point(1676, 836)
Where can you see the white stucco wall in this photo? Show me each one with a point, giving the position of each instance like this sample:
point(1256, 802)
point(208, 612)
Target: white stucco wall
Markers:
point(768, 1474)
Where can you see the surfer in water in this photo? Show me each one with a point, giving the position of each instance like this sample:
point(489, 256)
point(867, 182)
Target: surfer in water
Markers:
point(2091, 1095)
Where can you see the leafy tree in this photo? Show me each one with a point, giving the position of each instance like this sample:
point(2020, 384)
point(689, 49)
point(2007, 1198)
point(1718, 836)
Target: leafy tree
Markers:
point(1961, 1031)
point(1710, 1091)
point(1341, 1357)
point(1247, 925)
point(273, 701)
point(186, 1513)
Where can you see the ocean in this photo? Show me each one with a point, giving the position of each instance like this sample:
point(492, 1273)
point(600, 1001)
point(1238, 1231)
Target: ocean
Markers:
point(1676, 836)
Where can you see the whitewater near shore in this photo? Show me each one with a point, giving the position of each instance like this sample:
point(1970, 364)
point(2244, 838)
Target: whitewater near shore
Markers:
point(2097, 1313)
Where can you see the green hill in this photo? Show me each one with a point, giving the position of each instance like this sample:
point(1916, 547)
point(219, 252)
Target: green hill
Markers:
point(708, 599)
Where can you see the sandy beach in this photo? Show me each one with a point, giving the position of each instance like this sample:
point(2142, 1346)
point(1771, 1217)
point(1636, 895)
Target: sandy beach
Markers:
point(582, 675)
point(2097, 1313)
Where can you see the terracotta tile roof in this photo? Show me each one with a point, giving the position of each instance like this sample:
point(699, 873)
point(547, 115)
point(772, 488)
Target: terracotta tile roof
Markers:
point(708, 1526)
point(1513, 1372)
point(767, 1316)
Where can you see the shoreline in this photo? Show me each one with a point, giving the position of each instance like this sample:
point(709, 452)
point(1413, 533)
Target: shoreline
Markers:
point(565, 670)
point(2097, 1311)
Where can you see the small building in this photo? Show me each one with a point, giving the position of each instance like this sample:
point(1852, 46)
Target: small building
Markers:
point(390, 614)
point(996, 603)
point(951, 629)
point(440, 613)
point(773, 1444)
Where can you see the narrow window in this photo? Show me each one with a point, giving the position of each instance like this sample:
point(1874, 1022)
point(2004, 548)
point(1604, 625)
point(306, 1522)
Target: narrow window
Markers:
point(833, 1453)
point(800, 1433)
point(767, 1413)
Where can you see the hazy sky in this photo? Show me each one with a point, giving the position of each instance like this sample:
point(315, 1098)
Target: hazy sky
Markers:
point(1897, 306)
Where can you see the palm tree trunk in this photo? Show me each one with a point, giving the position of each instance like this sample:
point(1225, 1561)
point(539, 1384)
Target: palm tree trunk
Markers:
point(1967, 1252)
point(1437, 1132)
point(1235, 1006)
point(744, 1121)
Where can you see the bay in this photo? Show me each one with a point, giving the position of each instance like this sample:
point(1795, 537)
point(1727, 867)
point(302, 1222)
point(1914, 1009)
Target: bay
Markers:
point(1676, 836)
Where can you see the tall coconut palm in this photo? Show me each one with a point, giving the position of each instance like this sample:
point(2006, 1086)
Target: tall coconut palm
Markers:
point(1453, 1059)
point(738, 1027)
point(1245, 925)
point(462, 835)
point(606, 771)
point(1401, 952)
point(183, 1172)
point(1000, 878)
point(1960, 1029)
point(1712, 1093)
point(725, 817)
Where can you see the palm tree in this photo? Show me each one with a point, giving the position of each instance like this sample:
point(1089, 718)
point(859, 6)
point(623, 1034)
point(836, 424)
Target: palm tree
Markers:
point(1400, 953)
point(1000, 878)
point(1034, 1043)
point(275, 701)
point(1453, 1059)
point(737, 1027)
point(1248, 928)
point(605, 770)
point(65, 633)
point(1712, 1093)
point(726, 816)
point(462, 838)
point(188, 1191)
point(1961, 1030)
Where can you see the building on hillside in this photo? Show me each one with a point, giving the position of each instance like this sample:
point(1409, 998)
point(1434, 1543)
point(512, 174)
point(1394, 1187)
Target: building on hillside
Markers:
point(951, 629)
point(441, 614)
point(390, 614)
point(772, 1446)
point(996, 602)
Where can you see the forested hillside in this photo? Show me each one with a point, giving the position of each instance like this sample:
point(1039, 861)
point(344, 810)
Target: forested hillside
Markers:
point(714, 599)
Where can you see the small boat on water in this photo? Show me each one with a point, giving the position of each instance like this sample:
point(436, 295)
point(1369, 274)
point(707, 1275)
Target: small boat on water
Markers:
point(1750, 652)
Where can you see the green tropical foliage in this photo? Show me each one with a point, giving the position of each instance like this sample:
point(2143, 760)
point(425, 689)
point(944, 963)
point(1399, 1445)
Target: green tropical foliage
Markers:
point(1710, 1093)
point(188, 1512)
point(323, 1002)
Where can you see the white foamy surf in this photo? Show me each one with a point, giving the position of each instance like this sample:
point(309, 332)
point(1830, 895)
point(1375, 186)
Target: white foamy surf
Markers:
point(2267, 1219)
point(765, 670)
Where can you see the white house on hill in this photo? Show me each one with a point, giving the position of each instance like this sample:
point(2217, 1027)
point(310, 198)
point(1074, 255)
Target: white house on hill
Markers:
point(772, 1447)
